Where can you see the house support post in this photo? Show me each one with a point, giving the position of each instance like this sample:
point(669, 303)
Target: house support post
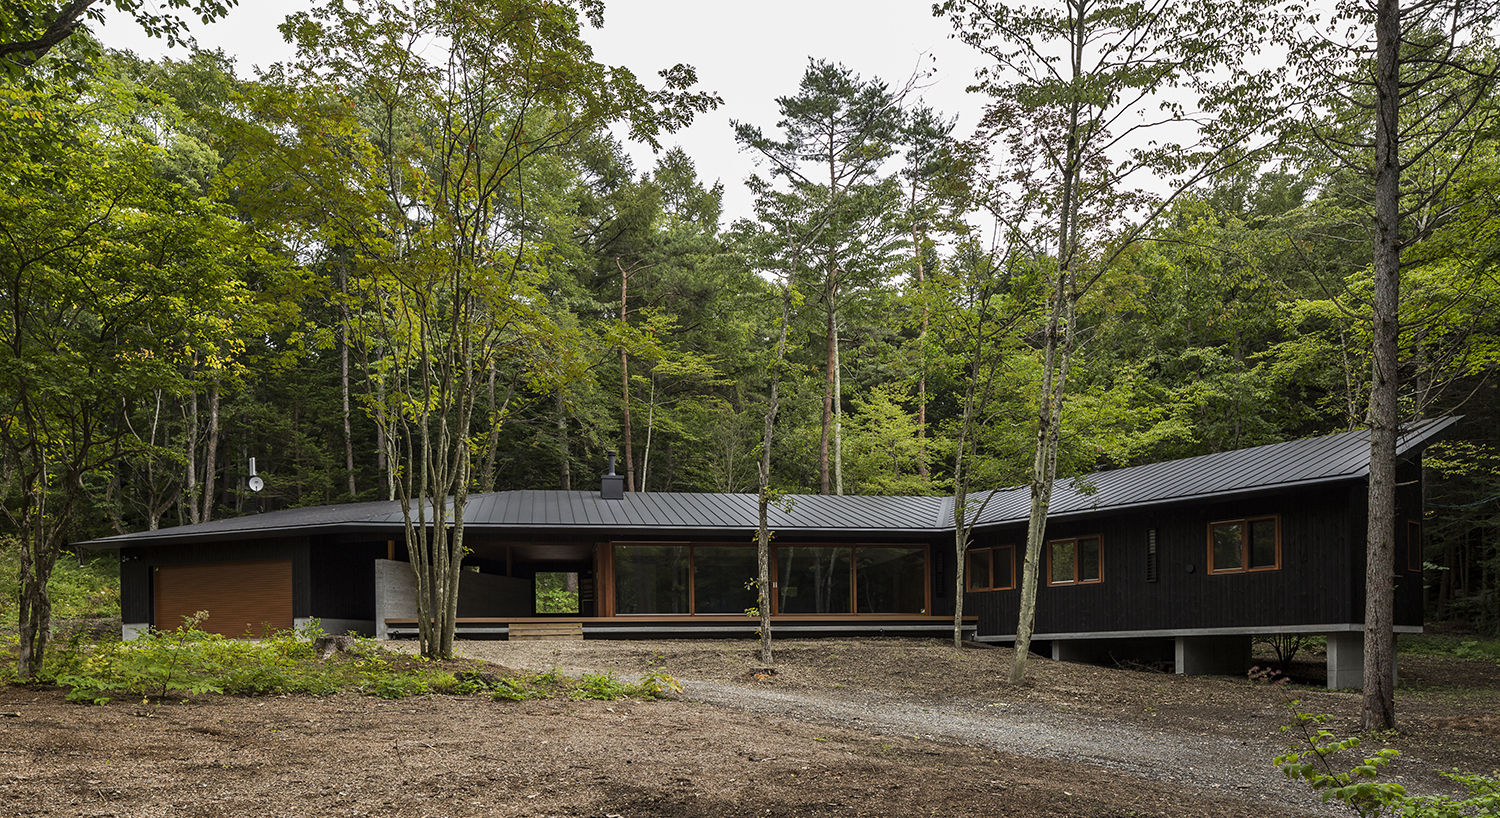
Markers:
point(1212, 655)
point(1346, 661)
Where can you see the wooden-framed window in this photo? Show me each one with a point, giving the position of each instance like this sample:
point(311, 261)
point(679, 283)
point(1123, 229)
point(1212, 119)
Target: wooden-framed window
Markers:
point(1247, 544)
point(1414, 546)
point(990, 569)
point(1075, 561)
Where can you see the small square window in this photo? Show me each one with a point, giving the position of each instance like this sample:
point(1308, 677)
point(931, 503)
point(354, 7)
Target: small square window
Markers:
point(1077, 561)
point(1251, 544)
point(991, 569)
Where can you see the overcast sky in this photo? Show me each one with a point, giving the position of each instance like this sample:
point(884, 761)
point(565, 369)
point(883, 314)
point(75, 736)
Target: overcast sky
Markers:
point(749, 54)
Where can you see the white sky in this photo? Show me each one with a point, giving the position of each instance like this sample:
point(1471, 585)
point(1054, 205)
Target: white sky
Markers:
point(747, 53)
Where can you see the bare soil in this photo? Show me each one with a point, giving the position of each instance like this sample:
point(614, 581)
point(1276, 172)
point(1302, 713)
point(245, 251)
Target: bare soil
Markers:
point(841, 727)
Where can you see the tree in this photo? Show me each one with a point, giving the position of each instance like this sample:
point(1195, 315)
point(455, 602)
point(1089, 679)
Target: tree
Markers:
point(1070, 83)
point(30, 29)
point(841, 129)
point(111, 276)
point(450, 281)
point(1425, 77)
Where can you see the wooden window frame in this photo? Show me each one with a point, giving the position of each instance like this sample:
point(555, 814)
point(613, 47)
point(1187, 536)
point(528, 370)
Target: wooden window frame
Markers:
point(1075, 580)
point(969, 583)
point(1244, 523)
point(1414, 545)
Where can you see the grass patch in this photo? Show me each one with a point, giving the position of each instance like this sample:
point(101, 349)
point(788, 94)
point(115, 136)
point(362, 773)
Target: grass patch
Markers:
point(187, 661)
point(1463, 647)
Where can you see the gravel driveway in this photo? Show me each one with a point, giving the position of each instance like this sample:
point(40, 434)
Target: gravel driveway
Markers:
point(1203, 761)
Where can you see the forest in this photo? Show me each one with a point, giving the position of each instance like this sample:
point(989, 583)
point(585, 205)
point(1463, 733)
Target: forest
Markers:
point(419, 253)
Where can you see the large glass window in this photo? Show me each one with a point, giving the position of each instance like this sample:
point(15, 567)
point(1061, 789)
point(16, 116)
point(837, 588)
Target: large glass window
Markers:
point(1252, 544)
point(651, 579)
point(1074, 561)
point(813, 580)
point(891, 580)
point(721, 576)
point(660, 578)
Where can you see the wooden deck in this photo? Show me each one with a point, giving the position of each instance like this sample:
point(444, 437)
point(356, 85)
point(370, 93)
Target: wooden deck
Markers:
point(690, 627)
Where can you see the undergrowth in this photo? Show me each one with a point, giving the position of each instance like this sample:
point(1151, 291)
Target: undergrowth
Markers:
point(90, 590)
point(1317, 757)
point(1464, 647)
point(164, 664)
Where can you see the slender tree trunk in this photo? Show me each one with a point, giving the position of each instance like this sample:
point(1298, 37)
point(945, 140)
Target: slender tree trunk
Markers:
point(922, 469)
point(565, 455)
point(1378, 705)
point(211, 452)
point(1057, 354)
point(763, 585)
point(625, 385)
point(838, 416)
point(344, 380)
point(190, 446)
point(830, 365)
point(650, 429)
point(487, 471)
point(383, 442)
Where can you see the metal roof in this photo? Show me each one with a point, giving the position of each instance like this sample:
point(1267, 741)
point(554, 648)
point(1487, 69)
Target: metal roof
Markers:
point(1343, 456)
point(1331, 458)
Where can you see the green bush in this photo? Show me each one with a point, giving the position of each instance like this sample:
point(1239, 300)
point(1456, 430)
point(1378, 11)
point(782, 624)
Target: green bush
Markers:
point(163, 664)
point(1360, 787)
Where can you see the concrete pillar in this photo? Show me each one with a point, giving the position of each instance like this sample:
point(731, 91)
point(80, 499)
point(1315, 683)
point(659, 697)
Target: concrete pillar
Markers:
point(133, 630)
point(395, 594)
point(1346, 661)
point(1212, 655)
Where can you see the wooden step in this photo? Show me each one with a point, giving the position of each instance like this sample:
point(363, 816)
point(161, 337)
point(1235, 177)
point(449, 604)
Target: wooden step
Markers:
point(546, 630)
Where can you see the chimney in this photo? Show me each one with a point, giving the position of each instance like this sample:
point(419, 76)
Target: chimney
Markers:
point(612, 486)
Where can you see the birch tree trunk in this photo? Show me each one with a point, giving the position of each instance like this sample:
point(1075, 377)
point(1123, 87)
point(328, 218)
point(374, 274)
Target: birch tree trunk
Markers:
point(625, 384)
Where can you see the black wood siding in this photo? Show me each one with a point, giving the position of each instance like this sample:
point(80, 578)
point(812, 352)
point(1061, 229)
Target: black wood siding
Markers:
point(136, 573)
point(1317, 547)
point(343, 579)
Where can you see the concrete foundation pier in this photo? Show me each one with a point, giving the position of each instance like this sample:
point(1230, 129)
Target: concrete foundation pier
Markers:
point(1212, 655)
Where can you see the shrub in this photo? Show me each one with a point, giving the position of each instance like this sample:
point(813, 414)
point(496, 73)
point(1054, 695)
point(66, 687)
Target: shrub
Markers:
point(1359, 787)
point(185, 660)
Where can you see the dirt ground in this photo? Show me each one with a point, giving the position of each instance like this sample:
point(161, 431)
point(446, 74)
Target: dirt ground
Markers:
point(736, 743)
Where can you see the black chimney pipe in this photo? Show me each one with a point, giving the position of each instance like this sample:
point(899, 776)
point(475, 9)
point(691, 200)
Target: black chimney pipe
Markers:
point(612, 486)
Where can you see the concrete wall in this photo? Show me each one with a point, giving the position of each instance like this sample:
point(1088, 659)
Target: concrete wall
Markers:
point(478, 595)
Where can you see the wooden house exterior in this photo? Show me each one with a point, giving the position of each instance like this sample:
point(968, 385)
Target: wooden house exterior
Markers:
point(1186, 559)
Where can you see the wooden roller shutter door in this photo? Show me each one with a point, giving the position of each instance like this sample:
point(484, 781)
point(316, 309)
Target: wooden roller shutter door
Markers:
point(242, 598)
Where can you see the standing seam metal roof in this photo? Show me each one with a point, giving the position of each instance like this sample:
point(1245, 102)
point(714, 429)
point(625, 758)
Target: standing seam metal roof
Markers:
point(1336, 457)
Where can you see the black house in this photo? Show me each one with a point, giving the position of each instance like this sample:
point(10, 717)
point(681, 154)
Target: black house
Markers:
point(1188, 559)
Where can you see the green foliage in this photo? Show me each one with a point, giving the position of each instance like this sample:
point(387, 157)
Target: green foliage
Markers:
point(1314, 759)
point(1460, 646)
point(87, 591)
point(552, 594)
point(187, 661)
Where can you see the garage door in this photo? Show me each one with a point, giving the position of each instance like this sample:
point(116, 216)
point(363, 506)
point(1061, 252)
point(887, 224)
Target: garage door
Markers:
point(242, 598)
